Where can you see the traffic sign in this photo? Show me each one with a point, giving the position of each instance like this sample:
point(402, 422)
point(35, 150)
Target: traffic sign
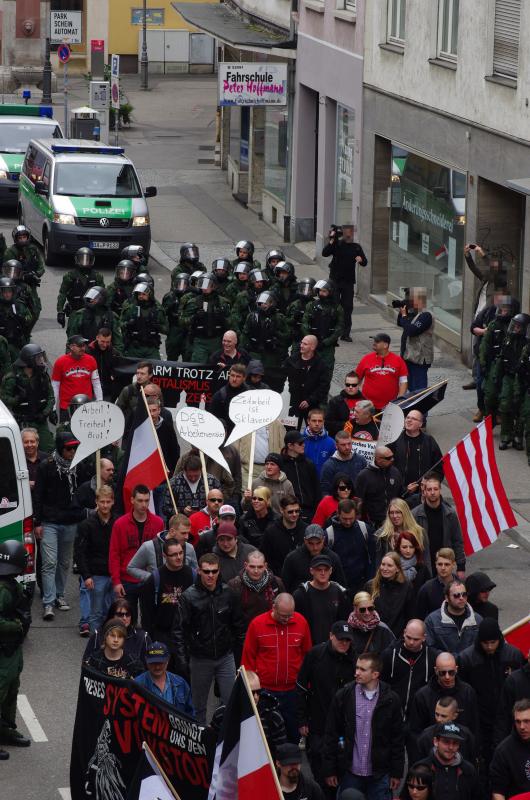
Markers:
point(115, 81)
point(64, 53)
point(65, 27)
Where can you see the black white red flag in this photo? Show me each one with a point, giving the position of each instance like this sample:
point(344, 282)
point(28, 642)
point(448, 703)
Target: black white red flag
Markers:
point(142, 462)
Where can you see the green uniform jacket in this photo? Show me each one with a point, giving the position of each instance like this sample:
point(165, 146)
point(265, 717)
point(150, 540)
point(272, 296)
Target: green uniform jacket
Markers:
point(14, 325)
point(491, 343)
point(73, 286)
point(144, 328)
point(30, 399)
point(11, 597)
point(30, 257)
point(183, 266)
point(271, 347)
point(5, 357)
point(86, 323)
point(118, 294)
point(331, 324)
point(205, 324)
point(243, 303)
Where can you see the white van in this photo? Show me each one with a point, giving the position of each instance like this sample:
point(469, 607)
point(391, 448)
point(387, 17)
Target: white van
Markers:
point(75, 193)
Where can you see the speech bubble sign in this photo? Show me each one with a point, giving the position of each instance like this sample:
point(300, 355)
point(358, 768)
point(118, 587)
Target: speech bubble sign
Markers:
point(252, 410)
point(96, 424)
point(391, 425)
point(202, 430)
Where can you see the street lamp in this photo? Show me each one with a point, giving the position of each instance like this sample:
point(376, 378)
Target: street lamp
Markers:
point(46, 98)
point(144, 62)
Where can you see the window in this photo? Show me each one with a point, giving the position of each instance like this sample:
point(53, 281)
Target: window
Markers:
point(345, 165)
point(275, 151)
point(448, 28)
point(9, 498)
point(347, 5)
point(506, 38)
point(396, 21)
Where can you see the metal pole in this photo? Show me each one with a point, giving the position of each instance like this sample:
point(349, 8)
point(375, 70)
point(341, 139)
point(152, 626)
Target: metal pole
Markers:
point(116, 126)
point(144, 63)
point(46, 98)
point(65, 90)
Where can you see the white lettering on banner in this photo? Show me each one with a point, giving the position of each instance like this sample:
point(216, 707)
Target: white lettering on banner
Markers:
point(96, 425)
point(252, 410)
point(364, 448)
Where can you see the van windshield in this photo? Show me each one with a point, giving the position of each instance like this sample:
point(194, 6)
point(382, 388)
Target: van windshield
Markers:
point(83, 179)
point(9, 498)
point(15, 136)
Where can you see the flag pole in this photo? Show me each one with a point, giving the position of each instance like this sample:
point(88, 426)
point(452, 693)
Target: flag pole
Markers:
point(251, 459)
point(243, 672)
point(516, 625)
point(162, 459)
point(161, 771)
point(204, 473)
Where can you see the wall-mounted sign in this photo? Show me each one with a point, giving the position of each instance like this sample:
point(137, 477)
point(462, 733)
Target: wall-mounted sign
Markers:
point(153, 16)
point(252, 84)
point(65, 27)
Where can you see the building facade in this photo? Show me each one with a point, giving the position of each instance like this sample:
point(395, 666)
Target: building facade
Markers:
point(446, 152)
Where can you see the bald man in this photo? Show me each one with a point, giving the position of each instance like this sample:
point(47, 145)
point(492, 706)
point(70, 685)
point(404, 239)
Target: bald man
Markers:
point(307, 376)
point(230, 353)
point(408, 664)
point(377, 485)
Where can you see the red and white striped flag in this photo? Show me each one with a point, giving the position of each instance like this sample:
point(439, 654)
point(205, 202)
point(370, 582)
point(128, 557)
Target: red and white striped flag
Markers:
point(142, 462)
point(441, 252)
point(480, 500)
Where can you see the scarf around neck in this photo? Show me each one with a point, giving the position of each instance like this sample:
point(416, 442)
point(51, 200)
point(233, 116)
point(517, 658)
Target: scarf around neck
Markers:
point(63, 468)
point(364, 625)
point(408, 566)
point(255, 586)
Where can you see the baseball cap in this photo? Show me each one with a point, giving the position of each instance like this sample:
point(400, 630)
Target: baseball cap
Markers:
point(275, 458)
point(342, 630)
point(77, 339)
point(293, 437)
point(314, 531)
point(321, 561)
point(255, 367)
point(448, 730)
point(156, 653)
point(288, 753)
point(226, 510)
point(226, 529)
point(381, 337)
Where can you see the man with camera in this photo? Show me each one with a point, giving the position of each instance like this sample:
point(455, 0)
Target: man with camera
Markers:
point(346, 254)
point(417, 341)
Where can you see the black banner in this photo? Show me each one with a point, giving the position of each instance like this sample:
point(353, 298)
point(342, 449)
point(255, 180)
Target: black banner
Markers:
point(176, 377)
point(113, 718)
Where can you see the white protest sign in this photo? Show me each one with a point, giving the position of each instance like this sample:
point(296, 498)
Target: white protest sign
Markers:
point(365, 448)
point(391, 425)
point(202, 430)
point(252, 410)
point(96, 424)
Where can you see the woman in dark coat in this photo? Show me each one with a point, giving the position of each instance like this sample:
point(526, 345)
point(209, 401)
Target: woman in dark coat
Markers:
point(393, 594)
point(370, 635)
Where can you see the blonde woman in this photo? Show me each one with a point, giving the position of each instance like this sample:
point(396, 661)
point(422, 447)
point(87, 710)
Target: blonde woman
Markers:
point(253, 522)
point(398, 519)
point(392, 594)
point(370, 635)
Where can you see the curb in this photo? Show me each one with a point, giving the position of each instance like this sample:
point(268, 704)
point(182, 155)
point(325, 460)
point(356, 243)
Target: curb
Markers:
point(160, 258)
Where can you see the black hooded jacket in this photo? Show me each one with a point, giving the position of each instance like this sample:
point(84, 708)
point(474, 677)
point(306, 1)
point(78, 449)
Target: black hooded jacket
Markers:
point(323, 672)
point(407, 672)
point(424, 704)
point(516, 687)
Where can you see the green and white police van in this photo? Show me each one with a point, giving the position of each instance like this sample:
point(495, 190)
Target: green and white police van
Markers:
point(75, 193)
point(19, 124)
point(16, 510)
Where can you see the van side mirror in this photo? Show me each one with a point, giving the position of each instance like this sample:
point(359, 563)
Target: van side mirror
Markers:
point(150, 191)
point(41, 188)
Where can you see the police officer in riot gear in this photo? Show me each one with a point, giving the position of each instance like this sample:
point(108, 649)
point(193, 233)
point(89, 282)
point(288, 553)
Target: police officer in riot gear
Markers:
point(189, 261)
point(509, 360)
point(245, 252)
point(120, 290)
point(205, 316)
point(284, 285)
point(76, 282)
point(296, 310)
point(273, 258)
point(324, 318)
point(13, 560)
point(94, 315)
point(15, 317)
point(266, 337)
point(27, 391)
point(490, 351)
point(143, 322)
point(13, 269)
point(30, 258)
point(239, 281)
point(136, 254)
point(172, 304)
point(245, 301)
point(221, 268)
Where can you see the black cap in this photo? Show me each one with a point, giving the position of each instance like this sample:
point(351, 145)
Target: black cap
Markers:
point(341, 630)
point(255, 367)
point(77, 339)
point(449, 730)
point(275, 458)
point(293, 437)
point(288, 753)
point(321, 561)
point(489, 630)
point(381, 337)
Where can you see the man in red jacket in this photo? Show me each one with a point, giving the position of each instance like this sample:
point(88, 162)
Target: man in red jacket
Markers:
point(130, 531)
point(275, 646)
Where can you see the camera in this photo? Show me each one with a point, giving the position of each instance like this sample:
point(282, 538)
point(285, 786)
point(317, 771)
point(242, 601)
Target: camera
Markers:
point(335, 232)
point(405, 300)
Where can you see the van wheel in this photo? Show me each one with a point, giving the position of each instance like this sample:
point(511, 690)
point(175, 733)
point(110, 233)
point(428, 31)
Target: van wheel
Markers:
point(50, 258)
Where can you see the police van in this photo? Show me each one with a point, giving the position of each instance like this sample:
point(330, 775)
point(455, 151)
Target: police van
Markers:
point(16, 510)
point(19, 124)
point(75, 193)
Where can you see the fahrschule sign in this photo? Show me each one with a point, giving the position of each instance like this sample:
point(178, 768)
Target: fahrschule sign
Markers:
point(252, 84)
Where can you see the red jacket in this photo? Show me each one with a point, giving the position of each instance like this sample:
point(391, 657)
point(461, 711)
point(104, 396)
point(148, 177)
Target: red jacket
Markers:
point(124, 542)
point(276, 651)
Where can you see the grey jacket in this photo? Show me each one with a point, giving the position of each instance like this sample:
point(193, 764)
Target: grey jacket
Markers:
point(278, 488)
point(452, 533)
point(144, 561)
point(443, 634)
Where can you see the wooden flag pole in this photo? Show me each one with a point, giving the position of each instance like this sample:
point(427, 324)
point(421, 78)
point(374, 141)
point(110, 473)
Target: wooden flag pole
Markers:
point(243, 672)
point(162, 459)
point(204, 473)
point(98, 469)
point(516, 625)
point(251, 459)
point(161, 771)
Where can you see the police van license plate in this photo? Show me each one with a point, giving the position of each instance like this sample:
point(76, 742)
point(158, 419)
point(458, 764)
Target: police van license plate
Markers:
point(104, 245)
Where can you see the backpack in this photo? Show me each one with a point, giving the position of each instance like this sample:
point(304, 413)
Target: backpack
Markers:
point(330, 533)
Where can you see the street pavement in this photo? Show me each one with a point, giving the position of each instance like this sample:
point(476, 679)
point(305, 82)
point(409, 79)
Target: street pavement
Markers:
point(171, 142)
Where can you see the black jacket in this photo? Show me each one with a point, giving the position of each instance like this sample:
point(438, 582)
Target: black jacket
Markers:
point(516, 687)
point(509, 773)
point(422, 709)
point(338, 412)
point(375, 641)
point(338, 606)
point(221, 402)
point(419, 747)
point(251, 531)
point(480, 582)
point(416, 455)
point(457, 782)
point(387, 733)
point(279, 541)
point(91, 546)
point(52, 498)
point(356, 553)
point(487, 674)
point(407, 672)
point(270, 716)
point(395, 604)
point(376, 487)
point(307, 381)
point(342, 266)
point(296, 567)
point(430, 597)
point(322, 674)
point(303, 475)
point(211, 622)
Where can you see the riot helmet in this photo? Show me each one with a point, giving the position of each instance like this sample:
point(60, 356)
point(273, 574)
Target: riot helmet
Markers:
point(144, 277)
point(143, 293)
point(84, 258)
point(283, 271)
point(519, 325)
point(323, 286)
point(305, 288)
point(31, 355)
point(242, 270)
point(76, 402)
point(221, 267)
point(194, 277)
point(8, 290)
point(95, 296)
point(125, 270)
point(265, 301)
point(13, 558)
point(135, 253)
point(182, 282)
point(274, 256)
point(258, 276)
point(505, 307)
point(13, 269)
point(21, 235)
point(207, 283)
point(189, 252)
point(247, 247)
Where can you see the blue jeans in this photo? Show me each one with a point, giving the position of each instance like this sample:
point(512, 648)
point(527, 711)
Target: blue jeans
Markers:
point(372, 788)
point(287, 704)
point(203, 671)
point(57, 544)
point(417, 377)
point(100, 599)
point(84, 603)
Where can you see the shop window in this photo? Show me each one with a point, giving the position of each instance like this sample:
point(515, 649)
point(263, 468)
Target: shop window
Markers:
point(66, 5)
point(448, 11)
point(396, 21)
point(275, 151)
point(344, 169)
point(426, 237)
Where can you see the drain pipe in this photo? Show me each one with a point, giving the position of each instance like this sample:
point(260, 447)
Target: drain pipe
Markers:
point(291, 77)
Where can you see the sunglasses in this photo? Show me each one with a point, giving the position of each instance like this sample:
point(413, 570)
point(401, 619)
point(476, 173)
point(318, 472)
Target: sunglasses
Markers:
point(123, 614)
point(294, 511)
point(215, 500)
point(261, 499)
point(450, 672)
point(367, 608)
point(209, 571)
point(459, 594)
point(342, 487)
point(350, 385)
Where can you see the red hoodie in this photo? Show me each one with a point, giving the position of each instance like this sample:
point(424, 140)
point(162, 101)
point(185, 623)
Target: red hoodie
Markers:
point(125, 541)
point(276, 651)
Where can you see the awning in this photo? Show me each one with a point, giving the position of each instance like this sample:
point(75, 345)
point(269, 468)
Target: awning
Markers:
point(520, 184)
point(228, 27)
